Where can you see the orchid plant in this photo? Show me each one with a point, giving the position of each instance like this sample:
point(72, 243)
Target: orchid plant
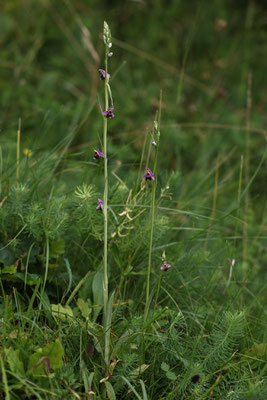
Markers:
point(103, 204)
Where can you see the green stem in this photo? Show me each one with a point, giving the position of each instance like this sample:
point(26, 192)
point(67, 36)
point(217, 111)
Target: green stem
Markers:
point(152, 214)
point(18, 152)
point(1, 171)
point(152, 218)
point(158, 289)
point(105, 213)
point(45, 274)
point(77, 288)
point(4, 379)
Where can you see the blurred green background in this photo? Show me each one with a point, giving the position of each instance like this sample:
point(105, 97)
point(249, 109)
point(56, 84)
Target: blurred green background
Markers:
point(203, 55)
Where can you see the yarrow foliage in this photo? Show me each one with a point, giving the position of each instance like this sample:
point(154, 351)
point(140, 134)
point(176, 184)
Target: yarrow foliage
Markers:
point(84, 192)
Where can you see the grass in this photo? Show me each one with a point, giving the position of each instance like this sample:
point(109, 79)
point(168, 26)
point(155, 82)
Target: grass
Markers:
point(197, 331)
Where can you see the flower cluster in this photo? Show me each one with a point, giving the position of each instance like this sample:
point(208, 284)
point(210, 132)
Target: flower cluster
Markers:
point(109, 114)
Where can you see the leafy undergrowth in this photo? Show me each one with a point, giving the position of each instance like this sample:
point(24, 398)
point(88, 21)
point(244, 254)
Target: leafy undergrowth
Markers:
point(204, 336)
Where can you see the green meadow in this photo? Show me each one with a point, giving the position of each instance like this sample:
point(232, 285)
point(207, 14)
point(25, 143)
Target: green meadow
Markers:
point(133, 219)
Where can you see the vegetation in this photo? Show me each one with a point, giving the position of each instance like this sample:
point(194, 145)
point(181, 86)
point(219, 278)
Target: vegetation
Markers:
point(131, 262)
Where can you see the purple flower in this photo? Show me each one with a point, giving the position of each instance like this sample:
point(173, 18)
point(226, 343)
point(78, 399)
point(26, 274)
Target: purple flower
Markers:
point(110, 54)
point(165, 267)
point(108, 113)
point(103, 74)
point(98, 154)
point(149, 175)
point(100, 204)
point(154, 143)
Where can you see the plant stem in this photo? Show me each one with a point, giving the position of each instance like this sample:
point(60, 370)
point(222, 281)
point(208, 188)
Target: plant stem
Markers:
point(45, 277)
point(18, 152)
point(152, 214)
point(78, 286)
point(4, 379)
point(105, 213)
point(247, 172)
point(158, 289)
point(152, 218)
point(1, 171)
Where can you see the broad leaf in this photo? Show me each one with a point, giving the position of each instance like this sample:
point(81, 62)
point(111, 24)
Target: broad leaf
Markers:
point(46, 360)
point(62, 312)
point(84, 307)
point(14, 362)
point(11, 269)
point(97, 288)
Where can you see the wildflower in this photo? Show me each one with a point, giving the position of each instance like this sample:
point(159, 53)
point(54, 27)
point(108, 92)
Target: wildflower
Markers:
point(110, 54)
point(149, 175)
point(165, 267)
point(98, 154)
point(108, 113)
point(100, 204)
point(27, 152)
point(154, 143)
point(103, 74)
